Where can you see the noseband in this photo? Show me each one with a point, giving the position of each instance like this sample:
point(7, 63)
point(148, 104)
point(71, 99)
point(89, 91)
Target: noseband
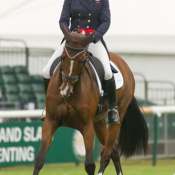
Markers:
point(69, 78)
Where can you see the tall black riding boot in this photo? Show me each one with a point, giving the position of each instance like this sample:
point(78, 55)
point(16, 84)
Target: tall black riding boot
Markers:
point(45, 83)
point(113, 114)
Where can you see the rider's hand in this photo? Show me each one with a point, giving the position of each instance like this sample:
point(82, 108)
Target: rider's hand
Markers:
point(93, 39)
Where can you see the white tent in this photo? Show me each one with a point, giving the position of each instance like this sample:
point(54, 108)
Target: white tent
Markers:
point(137, 26)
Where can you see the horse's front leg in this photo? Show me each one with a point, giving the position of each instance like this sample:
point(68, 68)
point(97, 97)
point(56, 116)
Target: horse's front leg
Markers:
point(49, 128)
point(113, 131)
point(88, 135)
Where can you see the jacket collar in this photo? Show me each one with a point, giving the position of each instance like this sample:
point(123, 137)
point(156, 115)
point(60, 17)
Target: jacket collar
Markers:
point(87, 3)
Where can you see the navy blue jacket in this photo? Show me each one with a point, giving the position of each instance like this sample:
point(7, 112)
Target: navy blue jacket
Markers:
point(87, 14)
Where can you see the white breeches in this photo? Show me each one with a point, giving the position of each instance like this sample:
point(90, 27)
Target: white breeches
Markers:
point(98, 50)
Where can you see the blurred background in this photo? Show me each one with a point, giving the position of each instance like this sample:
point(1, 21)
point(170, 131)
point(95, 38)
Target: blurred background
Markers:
point(141, 32)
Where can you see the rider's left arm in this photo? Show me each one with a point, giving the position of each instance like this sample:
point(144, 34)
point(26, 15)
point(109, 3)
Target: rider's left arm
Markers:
point(65, 15)
point(105, 20)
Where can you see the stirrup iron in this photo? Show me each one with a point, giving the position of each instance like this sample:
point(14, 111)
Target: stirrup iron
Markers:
point(113, 116)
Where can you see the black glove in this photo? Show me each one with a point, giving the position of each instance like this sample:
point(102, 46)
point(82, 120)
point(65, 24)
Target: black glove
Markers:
point(93, 39)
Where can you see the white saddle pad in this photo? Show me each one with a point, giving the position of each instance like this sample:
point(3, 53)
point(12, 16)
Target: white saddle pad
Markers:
point(118, 79)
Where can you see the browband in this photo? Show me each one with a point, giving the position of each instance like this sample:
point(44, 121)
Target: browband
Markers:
point(75, 48)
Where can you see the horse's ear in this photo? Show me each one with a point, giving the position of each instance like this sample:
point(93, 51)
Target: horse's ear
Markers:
point(88, 39)
point(65, 32)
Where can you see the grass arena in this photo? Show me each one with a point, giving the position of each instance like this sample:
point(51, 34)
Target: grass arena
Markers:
point(130, 167)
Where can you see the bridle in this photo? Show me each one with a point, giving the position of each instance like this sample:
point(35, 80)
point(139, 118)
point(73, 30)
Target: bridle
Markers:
point(76, 77)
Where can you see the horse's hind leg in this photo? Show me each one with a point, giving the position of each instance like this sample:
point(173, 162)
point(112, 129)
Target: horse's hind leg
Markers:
point(116, 159)
point(101, 133)
point(49, 127)
point(112, 133)
point(88, 135)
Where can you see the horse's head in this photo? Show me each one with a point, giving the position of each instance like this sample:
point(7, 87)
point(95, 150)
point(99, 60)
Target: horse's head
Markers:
point(73, 59)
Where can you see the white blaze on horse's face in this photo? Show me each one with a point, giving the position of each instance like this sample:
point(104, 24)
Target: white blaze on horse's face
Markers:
point(66, 89)
point(71, 67)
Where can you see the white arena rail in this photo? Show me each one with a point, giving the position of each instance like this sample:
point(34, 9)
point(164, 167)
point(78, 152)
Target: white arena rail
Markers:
point(158, 110)
point(21, 113)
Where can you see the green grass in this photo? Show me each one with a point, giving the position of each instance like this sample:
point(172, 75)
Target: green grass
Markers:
point(130, 167)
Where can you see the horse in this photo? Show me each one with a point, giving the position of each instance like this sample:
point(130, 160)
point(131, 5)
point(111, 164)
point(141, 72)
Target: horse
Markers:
point(72, 99)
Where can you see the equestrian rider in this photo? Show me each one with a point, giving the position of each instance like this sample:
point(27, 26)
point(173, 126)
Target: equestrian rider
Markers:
point(89, 16)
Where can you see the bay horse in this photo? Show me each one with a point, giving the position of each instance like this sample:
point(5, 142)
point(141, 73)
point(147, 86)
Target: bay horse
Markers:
point(72, 99)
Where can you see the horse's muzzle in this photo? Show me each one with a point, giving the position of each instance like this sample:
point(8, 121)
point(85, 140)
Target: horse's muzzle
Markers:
point(65, 93)
point(65, 96)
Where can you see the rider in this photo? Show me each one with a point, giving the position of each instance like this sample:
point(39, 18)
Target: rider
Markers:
point(89, 16)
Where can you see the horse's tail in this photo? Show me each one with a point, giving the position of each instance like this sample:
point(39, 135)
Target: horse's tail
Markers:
point(133, 136)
